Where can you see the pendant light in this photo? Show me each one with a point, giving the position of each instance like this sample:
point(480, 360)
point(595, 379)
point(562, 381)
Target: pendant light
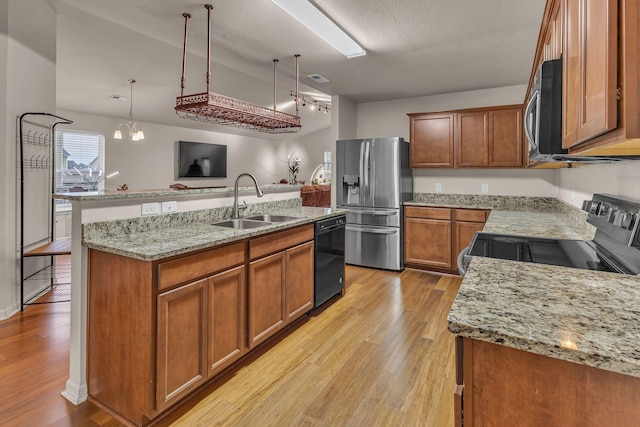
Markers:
point(135, 131)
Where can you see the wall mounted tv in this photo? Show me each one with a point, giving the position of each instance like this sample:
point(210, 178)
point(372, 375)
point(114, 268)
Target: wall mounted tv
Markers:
point(201, 160)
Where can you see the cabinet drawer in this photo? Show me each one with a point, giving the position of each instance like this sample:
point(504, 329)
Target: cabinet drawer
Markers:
point(282, 240)
point(427, 213)
point(471, 215)
point(198, 265)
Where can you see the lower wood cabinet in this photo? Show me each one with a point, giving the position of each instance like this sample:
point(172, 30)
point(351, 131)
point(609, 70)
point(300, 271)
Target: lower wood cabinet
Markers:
point(434, 236)
point(503, 386)
point(280, 284)
point(181, 342)
point(159, 330)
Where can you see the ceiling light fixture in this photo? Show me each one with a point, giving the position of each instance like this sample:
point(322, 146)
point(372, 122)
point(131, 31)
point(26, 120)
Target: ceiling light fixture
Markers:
point(313, 104)
point(223, 110)
point(135, 131)
point(320, 24)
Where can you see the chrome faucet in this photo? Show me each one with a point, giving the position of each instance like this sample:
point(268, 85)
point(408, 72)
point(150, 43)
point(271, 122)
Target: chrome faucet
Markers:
point(236, 208)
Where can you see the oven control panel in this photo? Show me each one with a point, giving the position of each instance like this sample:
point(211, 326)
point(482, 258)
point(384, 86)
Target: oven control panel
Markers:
point(615, 216)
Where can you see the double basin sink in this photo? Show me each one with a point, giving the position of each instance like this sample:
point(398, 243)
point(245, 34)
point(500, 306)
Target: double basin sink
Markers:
point(253, 221)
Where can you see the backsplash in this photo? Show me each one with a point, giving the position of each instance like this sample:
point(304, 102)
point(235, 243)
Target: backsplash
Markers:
point(127, 226)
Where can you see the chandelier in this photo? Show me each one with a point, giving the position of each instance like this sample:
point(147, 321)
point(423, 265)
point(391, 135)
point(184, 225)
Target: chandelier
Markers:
point(220, 109)
point(135, 131)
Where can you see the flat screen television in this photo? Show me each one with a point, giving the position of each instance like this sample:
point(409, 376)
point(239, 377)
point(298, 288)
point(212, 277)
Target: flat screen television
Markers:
point(201, 160)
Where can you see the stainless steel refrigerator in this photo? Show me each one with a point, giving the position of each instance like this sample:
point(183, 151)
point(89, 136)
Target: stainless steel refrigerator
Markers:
point(373, 180)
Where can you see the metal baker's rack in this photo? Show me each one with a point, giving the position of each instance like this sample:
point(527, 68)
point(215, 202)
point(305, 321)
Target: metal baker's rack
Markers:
point(41, 280)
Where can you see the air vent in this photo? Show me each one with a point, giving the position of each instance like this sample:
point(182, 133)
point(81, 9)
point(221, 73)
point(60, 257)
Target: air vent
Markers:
point(114, 96)
point(318, 78)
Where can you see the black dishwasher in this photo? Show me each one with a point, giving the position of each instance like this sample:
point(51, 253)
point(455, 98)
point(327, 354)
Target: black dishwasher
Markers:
point(329, 259)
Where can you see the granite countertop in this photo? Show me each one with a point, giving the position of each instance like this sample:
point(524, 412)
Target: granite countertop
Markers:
point(169, 192)
point(581, 316)
point(151, 245)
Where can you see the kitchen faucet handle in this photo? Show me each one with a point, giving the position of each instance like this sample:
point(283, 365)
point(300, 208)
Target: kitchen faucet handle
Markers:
point(242, 207)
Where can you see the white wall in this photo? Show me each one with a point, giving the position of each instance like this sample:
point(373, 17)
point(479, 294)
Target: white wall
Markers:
point(27, 83)
point(310, 148)
point(149, 164)
point(389, 118)
point(578, 184)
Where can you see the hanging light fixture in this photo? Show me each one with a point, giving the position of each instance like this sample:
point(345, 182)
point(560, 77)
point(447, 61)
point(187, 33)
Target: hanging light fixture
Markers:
point(220, 109)
point(135, 131)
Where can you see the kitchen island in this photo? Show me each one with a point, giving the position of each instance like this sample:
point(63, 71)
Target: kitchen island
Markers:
point(545, 345)
point(179, 299)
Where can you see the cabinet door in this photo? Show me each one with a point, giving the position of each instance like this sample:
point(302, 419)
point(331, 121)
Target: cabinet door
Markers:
point(181, 354)
point(472, 139)
point(464, 234)
point(226, 323)
point(428, 242)
point(505, 138)
point(431, 140)
point(299, 280)
point(266, 297)
point(590, 70)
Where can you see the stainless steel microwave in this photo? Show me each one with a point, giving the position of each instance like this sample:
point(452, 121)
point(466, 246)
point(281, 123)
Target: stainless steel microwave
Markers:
point(543, 115)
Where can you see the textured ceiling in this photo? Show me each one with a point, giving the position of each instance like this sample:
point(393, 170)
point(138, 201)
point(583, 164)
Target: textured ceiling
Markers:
point(414, 48)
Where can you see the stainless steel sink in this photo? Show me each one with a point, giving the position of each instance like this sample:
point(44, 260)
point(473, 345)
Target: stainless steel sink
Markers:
point(272, 218)
point(241, 223)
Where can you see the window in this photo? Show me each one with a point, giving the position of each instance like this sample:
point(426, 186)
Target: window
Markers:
point(79, 162)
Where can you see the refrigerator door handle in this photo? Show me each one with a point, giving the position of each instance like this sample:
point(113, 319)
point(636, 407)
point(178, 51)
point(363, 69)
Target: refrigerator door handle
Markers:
point(363, 179)
point(373, 230)
point(367, 173)
point(373, 213)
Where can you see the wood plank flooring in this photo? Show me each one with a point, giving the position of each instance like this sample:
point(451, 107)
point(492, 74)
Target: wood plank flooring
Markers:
point(379, 356)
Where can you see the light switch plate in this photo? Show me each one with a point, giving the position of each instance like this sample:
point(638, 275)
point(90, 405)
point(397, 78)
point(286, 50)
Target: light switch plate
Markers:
point(168, 207)
point(438, 187)
point(485, 188)
point(150, 208)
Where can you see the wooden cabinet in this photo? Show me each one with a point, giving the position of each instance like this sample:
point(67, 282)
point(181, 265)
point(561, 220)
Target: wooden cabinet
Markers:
point(434, 236)
point(467, 223)
point(590, 77)
point(266, 297)
point(280, 281)
point(428, 237)
point(181, 342)
point(299, 280)
point(479, 137)
point(472, 139)
point(498, 379)
point(159, 330)
point(226, 324)
point(598, 43)
point(431, 141)
point(554, 34)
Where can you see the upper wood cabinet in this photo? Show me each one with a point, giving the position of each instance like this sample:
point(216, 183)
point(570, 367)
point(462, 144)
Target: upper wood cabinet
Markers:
point(598, 43)
point(479, 137)
point(431, 141)
point(590, 78)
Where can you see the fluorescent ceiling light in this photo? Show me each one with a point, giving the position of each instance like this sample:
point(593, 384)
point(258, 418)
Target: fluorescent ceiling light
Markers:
point(312, 18)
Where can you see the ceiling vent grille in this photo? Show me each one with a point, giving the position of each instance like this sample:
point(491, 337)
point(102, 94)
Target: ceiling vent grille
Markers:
point(318, 78)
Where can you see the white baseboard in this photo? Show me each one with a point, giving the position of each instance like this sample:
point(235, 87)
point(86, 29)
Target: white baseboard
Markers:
point(7, 312)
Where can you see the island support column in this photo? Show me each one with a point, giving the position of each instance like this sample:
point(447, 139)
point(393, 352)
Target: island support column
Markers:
point(76, 387)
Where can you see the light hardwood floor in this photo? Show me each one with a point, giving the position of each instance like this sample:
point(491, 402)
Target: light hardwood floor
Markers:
point(379, 356)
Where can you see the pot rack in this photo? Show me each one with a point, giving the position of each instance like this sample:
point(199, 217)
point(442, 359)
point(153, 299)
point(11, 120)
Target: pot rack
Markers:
point(219, 109)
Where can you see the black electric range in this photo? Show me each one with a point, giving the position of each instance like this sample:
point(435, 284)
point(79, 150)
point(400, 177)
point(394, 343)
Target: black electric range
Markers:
point(615, 247)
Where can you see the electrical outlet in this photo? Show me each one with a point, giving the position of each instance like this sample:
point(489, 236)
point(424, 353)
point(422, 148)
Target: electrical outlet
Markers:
point(151, 208)
point(168, 207)
point(438, 187)
point(485, 188)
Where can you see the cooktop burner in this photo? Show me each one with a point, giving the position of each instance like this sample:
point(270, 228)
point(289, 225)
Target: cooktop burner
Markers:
point(561, 252)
